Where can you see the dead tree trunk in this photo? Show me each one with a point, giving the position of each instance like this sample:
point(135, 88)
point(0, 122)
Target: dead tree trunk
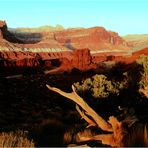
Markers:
point(120, 133)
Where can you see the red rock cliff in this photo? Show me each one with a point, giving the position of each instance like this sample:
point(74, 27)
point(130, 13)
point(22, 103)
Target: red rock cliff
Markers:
point(93, 38)
point(78, 59)
point(66, 49)
point(3, 28)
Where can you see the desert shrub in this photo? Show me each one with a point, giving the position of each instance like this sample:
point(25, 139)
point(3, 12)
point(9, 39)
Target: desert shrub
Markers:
point(99, 86)
point(143, 61)
point(15, 139)
point(127, 83)
point(143, 81)
point(138, 75)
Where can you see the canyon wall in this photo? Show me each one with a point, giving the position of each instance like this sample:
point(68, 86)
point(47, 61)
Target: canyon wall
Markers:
point(56, 62)
point(96, 38)
point(81, 49)
point(3, 28)
point(5, 34)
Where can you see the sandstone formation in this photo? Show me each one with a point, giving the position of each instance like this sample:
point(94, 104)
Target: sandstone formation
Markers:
point(5, 34)
point(3, 28)
point(78, 59)
point(64, 50)
point(96, 38)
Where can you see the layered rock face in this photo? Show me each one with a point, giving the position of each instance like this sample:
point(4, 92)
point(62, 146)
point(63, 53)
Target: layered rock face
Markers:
point(3, 28)
point(65, 61)
point(5, 34)
point(79, 59)
point(64, 50)
point(96, 38)
point(1, 35)
point(29, 59)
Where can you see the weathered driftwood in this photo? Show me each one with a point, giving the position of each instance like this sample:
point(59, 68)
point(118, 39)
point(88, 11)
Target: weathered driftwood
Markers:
point(125, 133)
point(100, 122)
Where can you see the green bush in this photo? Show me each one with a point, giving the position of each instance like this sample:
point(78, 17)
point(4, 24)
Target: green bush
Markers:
point(99, 86)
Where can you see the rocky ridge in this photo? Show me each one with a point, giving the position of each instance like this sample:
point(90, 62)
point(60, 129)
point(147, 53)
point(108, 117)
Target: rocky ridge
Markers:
point(62, 50)
point(96, 38)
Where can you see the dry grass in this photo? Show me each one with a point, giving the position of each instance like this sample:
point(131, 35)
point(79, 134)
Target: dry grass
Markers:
point(15, 139)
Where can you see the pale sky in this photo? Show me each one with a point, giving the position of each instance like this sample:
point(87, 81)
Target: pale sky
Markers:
point(122, 16)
